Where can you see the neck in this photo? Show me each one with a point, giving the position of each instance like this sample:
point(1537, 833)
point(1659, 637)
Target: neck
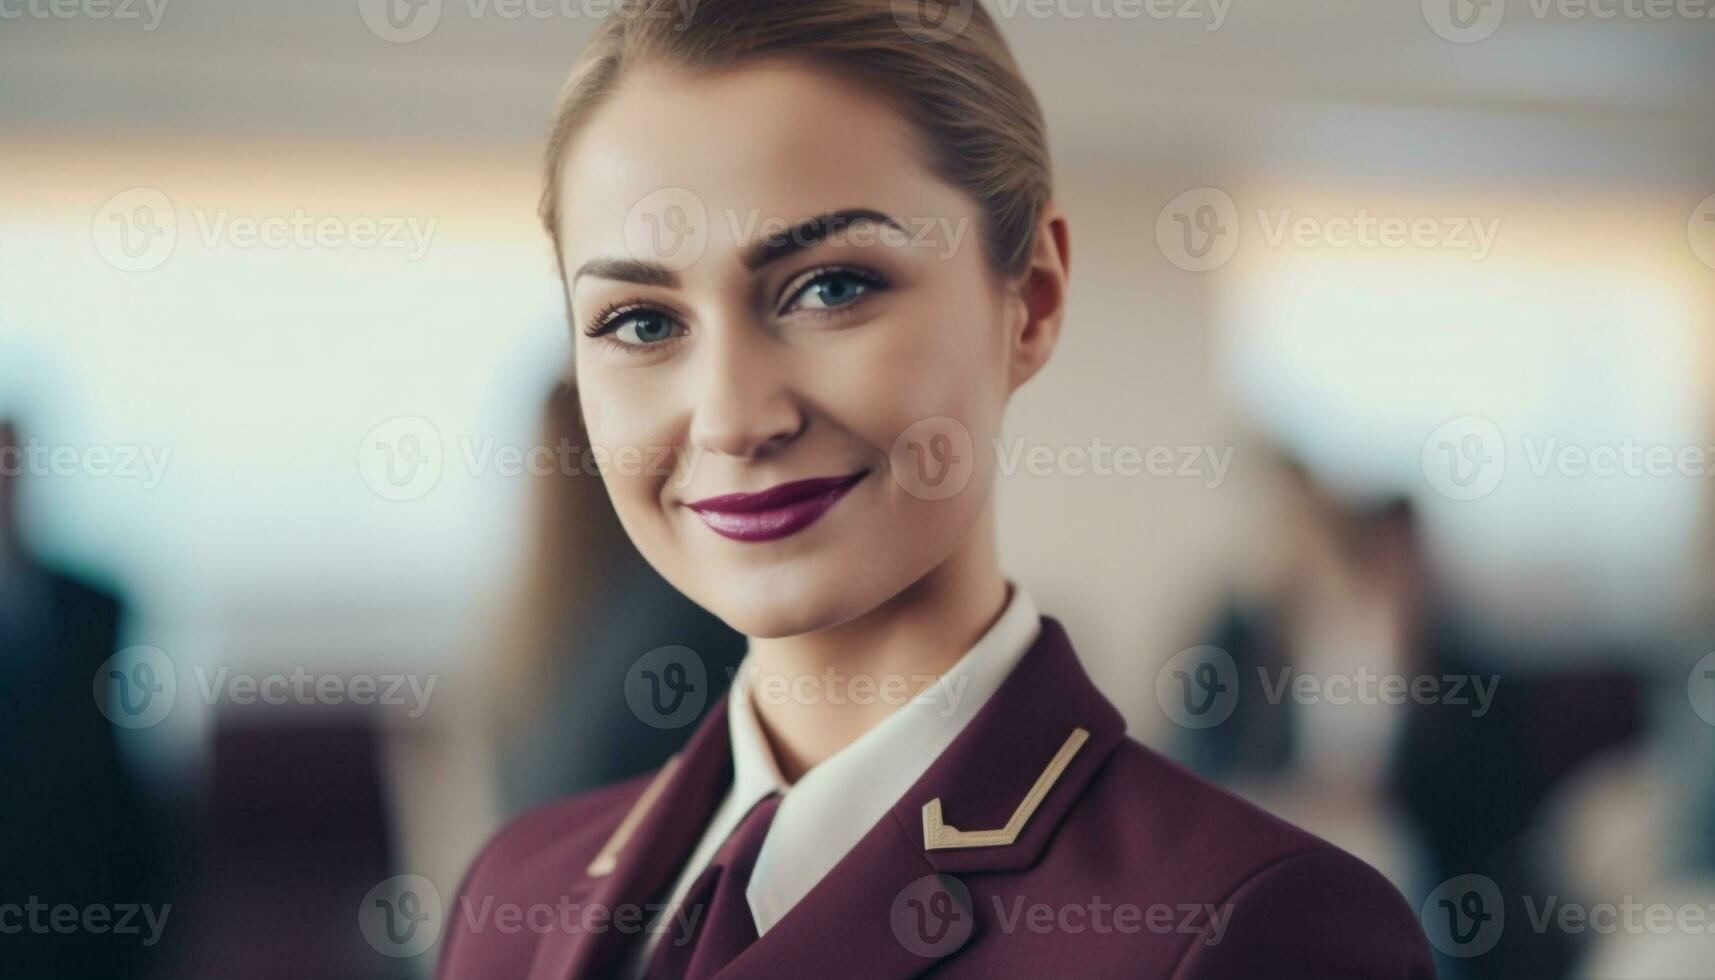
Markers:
point(903, 645)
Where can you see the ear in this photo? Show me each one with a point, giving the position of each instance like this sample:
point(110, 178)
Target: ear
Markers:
point(1041, 294)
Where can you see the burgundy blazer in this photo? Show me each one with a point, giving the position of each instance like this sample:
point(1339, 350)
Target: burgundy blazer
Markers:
point(1126, 866)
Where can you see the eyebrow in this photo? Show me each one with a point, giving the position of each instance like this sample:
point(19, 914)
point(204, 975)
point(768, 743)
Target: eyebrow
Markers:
point(809, 233)
point(806, 234)
point(628, 270)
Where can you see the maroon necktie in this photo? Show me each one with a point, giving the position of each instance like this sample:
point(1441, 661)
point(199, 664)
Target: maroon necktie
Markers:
point(725, 926)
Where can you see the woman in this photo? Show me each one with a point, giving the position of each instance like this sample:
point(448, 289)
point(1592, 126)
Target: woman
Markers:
point(790, 348)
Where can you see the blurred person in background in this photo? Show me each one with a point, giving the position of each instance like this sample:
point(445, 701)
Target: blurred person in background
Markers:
point(75, 829)
point(1475, 780)
point(1334, 592)
point(1300, 579)
point(1343, 591)
point(1638, 822)
point(588, 610)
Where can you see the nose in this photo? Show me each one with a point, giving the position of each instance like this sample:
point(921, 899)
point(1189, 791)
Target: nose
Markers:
point(744, 406)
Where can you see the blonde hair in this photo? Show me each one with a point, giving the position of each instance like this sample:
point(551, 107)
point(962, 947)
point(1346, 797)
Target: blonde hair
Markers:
point(973, 114)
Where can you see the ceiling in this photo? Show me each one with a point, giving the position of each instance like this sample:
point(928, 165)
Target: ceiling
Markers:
point(1323, 83)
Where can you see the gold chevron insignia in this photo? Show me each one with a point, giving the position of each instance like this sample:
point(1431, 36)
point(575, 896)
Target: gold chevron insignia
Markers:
point(608, 858)
point(938, 836)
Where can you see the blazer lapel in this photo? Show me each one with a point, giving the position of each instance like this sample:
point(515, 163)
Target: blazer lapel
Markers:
point(893, 907)
point(643, 858)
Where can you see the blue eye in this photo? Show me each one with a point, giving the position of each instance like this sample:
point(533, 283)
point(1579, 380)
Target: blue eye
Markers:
point(643, 328)
point(832, 289)
point(631, 325)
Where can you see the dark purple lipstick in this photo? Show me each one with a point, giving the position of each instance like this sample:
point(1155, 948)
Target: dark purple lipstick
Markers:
point(774, 513)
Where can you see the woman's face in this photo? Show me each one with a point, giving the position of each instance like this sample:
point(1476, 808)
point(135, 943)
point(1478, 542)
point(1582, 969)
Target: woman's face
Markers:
point(768, 288)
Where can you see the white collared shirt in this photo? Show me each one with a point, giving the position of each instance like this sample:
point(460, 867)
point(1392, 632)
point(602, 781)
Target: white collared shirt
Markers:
point(831, 807)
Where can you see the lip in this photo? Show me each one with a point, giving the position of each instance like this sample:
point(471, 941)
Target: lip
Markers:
point(778, 512)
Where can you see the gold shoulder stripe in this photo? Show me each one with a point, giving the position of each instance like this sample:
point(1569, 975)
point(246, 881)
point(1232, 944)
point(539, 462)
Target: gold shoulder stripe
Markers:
point(938, 836)
point(608, 858)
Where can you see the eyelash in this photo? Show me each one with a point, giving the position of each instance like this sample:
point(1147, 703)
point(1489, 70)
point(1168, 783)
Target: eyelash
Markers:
point(610, 317)
point(872, 282)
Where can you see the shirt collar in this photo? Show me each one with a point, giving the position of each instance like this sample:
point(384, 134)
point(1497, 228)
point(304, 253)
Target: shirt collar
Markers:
point(836, 803)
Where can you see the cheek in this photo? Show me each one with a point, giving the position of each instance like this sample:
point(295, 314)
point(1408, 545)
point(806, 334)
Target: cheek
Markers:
point(940, 358)
point(622, 406)
point(626, 430)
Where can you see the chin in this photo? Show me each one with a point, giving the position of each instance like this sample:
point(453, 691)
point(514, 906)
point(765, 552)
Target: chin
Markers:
point(787, 601)
point(852, 569)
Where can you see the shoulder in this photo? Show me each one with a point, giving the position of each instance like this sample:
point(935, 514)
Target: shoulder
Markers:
point(548, 839)
point(1279, 901)
point(1165, 802)
point(1319, 913)
point(536, 859)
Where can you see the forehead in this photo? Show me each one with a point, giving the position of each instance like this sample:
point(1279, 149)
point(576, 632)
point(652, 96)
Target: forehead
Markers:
point(770, 141)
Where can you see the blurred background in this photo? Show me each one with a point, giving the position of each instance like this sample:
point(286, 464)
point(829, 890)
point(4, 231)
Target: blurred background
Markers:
point(1405, 308)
